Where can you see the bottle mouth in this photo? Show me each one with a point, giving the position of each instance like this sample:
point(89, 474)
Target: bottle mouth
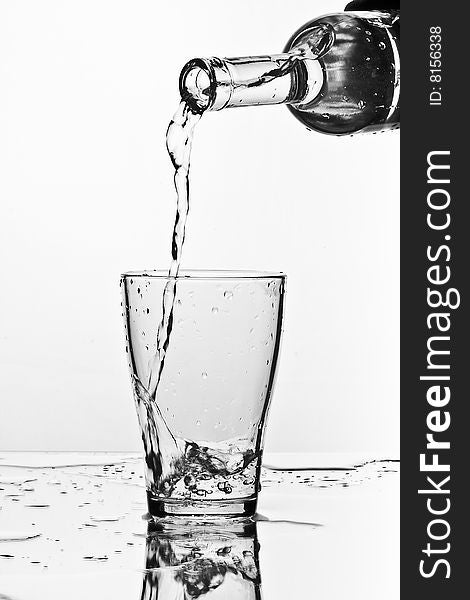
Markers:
point(205, 84)
point(214, 83)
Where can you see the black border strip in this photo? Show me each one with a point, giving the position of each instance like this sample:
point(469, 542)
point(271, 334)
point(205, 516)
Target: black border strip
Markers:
point(433, 124)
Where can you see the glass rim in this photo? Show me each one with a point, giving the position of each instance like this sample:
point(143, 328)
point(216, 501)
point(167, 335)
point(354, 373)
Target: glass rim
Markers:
point(205, 274)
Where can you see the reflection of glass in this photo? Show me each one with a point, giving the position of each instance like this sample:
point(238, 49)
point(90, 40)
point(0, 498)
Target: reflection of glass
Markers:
point(203, 420)
point(189, 562)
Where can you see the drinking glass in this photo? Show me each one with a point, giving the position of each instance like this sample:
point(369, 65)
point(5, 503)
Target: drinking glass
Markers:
point(202, 349)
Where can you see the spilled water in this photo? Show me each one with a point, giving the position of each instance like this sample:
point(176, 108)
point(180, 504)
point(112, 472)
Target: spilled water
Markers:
point(96, 529)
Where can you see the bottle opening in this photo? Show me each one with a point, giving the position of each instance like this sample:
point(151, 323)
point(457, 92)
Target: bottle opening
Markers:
point(214, 83)
point(197, 84)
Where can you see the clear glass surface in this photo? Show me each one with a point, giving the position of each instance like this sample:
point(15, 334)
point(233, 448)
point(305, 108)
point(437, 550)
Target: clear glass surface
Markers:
point(202, 419)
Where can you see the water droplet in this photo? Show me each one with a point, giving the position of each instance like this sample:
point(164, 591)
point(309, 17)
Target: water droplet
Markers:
point(198, 423)
point(382, 45)
point(214, 310)
point(204, 375)
point(11, 536)
point(228, 294)
point(361, 104)
point(15, 480)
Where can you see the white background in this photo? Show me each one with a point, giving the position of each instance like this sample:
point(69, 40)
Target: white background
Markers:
point(86, 92)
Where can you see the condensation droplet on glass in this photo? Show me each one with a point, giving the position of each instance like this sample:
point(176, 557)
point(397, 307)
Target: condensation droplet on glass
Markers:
point(228, 294)
point(214, 310)
point(361, 104)
point(204, 375)
point(382, 45)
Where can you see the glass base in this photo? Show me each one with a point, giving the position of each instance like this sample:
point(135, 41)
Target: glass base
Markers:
point(162, 508)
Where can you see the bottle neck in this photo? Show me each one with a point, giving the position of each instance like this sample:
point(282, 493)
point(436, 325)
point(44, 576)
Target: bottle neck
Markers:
point(214, 83)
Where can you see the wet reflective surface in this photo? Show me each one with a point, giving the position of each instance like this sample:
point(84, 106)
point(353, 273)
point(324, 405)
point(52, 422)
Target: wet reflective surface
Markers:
point(73, 526)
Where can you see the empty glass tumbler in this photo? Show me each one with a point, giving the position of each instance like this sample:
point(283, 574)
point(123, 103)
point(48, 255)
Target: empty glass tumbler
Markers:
point(202, 350)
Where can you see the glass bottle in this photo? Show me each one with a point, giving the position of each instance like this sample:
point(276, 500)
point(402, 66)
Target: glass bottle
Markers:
point(338, 74)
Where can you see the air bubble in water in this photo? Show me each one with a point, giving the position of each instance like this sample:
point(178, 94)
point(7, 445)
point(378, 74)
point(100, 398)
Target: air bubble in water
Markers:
point(228, 294)
point(224, 486)
point(382, 45)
